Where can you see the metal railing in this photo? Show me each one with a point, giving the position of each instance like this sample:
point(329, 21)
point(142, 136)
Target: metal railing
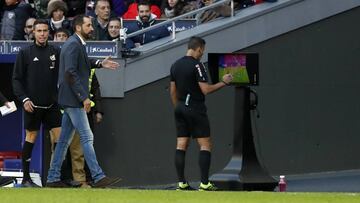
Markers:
point(191, 13)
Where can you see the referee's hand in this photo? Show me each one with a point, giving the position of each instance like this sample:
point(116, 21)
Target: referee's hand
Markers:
point(227, 78)
point(29, 106)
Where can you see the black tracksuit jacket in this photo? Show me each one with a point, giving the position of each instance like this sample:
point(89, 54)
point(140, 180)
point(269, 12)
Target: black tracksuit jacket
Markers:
point(36, 73)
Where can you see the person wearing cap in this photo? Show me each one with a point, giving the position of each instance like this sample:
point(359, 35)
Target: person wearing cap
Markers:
point(57, 10)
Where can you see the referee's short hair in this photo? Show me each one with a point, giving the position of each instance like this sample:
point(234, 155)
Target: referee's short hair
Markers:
point(40, 21)
point(196, 42)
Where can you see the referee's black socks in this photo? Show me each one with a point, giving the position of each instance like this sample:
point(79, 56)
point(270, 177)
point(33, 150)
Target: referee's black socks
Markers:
point(26, 159)
point(204, 163)
point(180, 164)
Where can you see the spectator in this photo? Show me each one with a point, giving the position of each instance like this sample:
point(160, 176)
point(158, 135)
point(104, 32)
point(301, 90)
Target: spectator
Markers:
point(132, 11)
point(61, 35)
point(206, 16)
point(173, 8)
point(57, 10)
point(76, 7)
point(114, 32)
point(29, 29)
point(102, 11)
point(13, 17)
point(90, 8)
point(40, 8)
point(114, 28)
point(143, 20)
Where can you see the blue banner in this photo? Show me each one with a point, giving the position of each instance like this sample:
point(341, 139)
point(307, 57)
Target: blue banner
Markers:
point(103, 49)
point(14, 47)
point(9, 49)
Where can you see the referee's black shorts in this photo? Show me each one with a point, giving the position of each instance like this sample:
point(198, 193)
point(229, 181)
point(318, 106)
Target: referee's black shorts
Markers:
point(192, 121)
point(50, 118)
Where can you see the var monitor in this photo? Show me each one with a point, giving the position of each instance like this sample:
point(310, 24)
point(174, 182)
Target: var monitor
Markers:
point(244, 67)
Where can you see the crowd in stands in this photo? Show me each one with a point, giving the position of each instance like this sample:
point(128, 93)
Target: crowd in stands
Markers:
point(17, 16)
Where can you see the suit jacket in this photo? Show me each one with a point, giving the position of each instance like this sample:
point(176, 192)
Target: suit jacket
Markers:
point(74, 72)
point(2, 99)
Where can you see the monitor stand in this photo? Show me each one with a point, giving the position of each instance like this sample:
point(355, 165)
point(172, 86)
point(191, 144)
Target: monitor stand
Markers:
point(244, 171)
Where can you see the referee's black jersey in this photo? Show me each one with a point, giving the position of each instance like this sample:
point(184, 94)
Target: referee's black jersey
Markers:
point(186, 73)
point(36, 73)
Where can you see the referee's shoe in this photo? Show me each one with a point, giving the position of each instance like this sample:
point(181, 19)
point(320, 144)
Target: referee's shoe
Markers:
point(184, 186)
point(207, 187)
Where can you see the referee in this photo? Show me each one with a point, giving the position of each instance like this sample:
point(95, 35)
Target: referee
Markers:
point(35, 85)
point(188, 87)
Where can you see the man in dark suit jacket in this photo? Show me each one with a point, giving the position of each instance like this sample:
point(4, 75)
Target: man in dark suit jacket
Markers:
point(74, 96)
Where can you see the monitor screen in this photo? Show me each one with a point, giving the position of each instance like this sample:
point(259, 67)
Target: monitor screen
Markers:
point(244, 67)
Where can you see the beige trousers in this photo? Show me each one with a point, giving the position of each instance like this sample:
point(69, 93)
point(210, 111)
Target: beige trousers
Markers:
point(77, 159)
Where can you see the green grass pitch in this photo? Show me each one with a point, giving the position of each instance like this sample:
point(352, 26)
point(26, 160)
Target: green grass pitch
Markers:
point(29, 195)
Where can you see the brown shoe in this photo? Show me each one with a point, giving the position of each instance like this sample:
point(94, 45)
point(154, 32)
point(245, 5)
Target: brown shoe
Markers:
point(57, 184)
point(105, 182)
point(85, 185)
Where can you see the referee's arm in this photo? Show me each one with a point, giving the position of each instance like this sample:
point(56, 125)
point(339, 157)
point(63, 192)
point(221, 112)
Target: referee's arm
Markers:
point(206, 88)
point(173, 95)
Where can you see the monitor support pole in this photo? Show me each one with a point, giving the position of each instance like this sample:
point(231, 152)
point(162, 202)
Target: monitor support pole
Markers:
point(244, 171)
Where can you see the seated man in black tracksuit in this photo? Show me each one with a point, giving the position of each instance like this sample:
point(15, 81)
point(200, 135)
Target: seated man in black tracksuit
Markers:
point(145, 19)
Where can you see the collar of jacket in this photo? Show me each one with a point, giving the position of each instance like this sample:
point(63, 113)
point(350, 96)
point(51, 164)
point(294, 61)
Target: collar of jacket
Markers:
point(79, 39)
point(147, 24)
point(39, 46)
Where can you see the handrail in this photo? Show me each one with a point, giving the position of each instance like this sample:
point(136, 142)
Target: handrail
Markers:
point(172, 20)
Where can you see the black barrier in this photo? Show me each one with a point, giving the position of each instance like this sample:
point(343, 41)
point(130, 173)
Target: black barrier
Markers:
point(244, 171)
